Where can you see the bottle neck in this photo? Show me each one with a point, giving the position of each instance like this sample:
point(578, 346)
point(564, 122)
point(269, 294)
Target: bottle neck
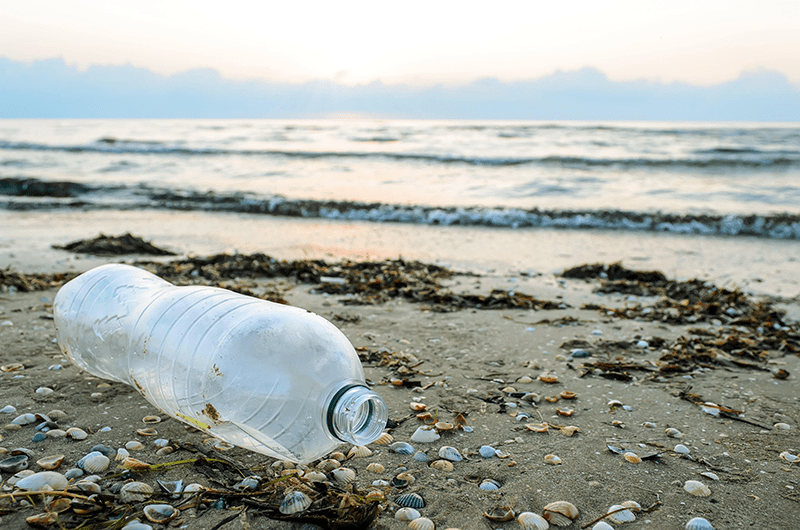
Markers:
point(357, 415)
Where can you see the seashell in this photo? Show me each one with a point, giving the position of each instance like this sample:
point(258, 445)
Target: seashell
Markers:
point(410, 500)
point(569, 430)
point(442, 465)
point(380, 483)
point(709, 474)
point(58, 505)
point(135, 492)
point(406, 514)
point(294, 502)
point(551, 399)
point(622, 516)
point(56, 415)
point(487, 451)
point(632, 505)
point(532, 397)
point(697, 488)
point(384, 439)
point(632, 457)
point(136, 525)
point(537, 427)
point(649, 425)
point(615, 403)
point(375, 467)
point(76, 433)
point(73, 473)
point(698, 523)
point(94, 462)
point(56, 433)
point(402, 480)
point(316, 476)
point(151, 419)
point(402, 448)
point(789, 457)
point(160, 513)
point(681, 449)
point(375, 495)
point(50, 462)
point(419, 407)
point(8, 409)
point(421, 456)
point(525, 379)
point(132, 463)
point(24, 419)
point(509, 390)
point(161, 442)
point(88, 486)
point(164, 451)
point(194, 487)
point(443, 426)
point(548, 378)
point(44, 390)
point(425, 435)
point(421, 523)
point(532, 521)
point(14, 464)
point(37, 481)
point(673, 433)
point(359, 451)
point(337, 455)
point(122, 454)
point(343, 475)
point(328, 465)
point(134, 445)
point(427, 417)
point(552, 459)
point(450, 453)
point(504, 513)
point(42, 519)
point(710, 408)
point(782, 426)
point(296, 472)
point(173, 487)
point(247, 483)
point(569, 412)
point(602, 525)
point(566, 394)
point(149, 431)
point(489, 485)
point(11, 427)
point(560, 513)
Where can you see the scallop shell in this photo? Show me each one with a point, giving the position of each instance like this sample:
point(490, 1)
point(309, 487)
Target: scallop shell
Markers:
point(359, 451)
point(561, 513)
point(632, 457)
point(135, 492)
point(489, 485)
point(532, 521)
point(328, 465)
point(402, 448)
point(50, 462)
point(699, 523)
point(552, 459)
point(294, 502)
point(164, 451)
point(160, 513)
point(620, 517)
point(384, 439)
point(406, 514)
point(37, 481)
point(442, 465)
point(697, 488)
point(343, 475)
point(450, 453)
point(425, 435)
point(375, 467)
point(122, 454)
point(94, 463)
point(421, 523)
point(410, 500)
point(76, 433)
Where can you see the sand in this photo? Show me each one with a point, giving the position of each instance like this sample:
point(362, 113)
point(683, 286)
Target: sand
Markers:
point(465, 360)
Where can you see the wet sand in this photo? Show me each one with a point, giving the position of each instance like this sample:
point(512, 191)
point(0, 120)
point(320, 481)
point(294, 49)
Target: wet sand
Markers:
point(462, 362)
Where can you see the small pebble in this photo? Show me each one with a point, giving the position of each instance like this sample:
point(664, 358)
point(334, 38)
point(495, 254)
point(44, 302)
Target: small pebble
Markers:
point(39, 437)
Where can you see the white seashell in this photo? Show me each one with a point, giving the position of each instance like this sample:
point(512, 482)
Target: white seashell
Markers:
point(96, 463)
point(384, 439)
point(406, 514)
point(709, 474)
point(710, 408)
point(344, 475)
point(649, 425)
point(487, 451)
point(532, 521)
point(37, 481)
point(161, 442)
point(782, 426)
point(44, 390)
point(632, 505)
point(673, 433)
point(552, 460)
point(450, 453)
point(294, 502)
point(623, 516)
point(135, 492)
point(421, 523)
point(380, 483)
point(489, 485)
point(122, 454)
point(402, 448)
point(328, 465)
point(76, 434)
point(697, 488)
point(160, 513)
point(602, 525)
point(136, 525)
point(24, 419)
point(699, 523)
point(336, 455)
point(421, 456)
point(134, 445)
point(442, 465)
point(681, 449)
point(315, 476)
point(789, 457)
point(88, 486)
point(425, 435)
point(56, 433)
point(561, 513)
point(359, 451)
point(50, 462)
point(194, 487)
point(8, 409)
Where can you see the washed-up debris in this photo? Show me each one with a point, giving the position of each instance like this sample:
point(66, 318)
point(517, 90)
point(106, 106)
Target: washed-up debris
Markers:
point(104, 245)
point(18, 281)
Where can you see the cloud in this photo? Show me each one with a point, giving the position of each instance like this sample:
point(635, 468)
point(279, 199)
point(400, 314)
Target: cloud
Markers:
point(53, 89)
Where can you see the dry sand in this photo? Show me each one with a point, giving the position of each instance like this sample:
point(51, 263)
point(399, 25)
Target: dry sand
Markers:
point(467, 358)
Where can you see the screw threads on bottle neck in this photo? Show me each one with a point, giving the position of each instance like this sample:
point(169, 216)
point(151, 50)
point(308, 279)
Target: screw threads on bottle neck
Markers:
point(357, 415)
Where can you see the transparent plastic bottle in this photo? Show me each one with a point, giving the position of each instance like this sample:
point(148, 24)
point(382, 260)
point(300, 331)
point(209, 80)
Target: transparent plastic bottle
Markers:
point(271, 378)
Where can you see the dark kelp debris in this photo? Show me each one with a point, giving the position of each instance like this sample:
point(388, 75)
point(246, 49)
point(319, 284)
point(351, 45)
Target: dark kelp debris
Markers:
point(11, 281)
point(104, 245)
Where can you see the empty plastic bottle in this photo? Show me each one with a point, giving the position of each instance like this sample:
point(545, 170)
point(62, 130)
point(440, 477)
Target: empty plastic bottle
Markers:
point(271, 378)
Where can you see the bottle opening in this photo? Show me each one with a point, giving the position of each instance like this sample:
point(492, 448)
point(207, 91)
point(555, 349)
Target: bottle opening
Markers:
point(357, 415)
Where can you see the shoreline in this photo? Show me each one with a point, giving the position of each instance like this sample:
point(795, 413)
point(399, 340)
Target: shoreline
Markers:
point(464, 359)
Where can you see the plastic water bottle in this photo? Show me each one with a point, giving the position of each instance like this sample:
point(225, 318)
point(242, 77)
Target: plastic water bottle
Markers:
point(271, 378)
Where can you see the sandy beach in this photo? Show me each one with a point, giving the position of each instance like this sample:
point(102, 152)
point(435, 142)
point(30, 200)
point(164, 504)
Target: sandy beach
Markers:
point(606, 362)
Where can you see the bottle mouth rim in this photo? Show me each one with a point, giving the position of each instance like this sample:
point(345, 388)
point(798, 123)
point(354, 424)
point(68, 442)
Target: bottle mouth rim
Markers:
point(356, 415)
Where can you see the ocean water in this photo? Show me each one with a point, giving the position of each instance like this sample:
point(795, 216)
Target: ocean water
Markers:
point(439, 190)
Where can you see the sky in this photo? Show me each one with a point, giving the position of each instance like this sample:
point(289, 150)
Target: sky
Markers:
point(701, 42)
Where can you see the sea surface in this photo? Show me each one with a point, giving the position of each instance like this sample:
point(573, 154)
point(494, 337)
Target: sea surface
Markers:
point(606, 187)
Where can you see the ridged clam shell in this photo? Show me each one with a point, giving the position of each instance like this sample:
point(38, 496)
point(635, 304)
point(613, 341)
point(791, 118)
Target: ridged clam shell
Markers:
point(532, 521)
point(561, 513)
point(337, 455)
point(122, 454)
point(135, 492)
point(489, 485)
point(402, 448)
point(76, 433)
point(421, 523)
point(95, 463)
point(328, 465)
point(410, 500)
point(375, 467)
point(425, 435)
point(343, 475)
point(450, 453)
point(442, 465)
point(624, 516)
point(359, 451)
point(699, 523)
point(384, 439)
point(294, 502)
point(552, 460)
point(37, 481)
point(696, 488)
point(50, 462)
point(406, 514)
point(160, 513)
